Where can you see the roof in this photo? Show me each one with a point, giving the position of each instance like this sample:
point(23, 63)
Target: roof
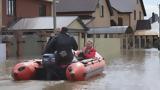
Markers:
point(87, 21)
point(153, 31)
point(143, 25)
point(126, 5)
point(76, 5)
point(109, 7)
point(49, 0)
point(109, 30)
point(143, 8)
point(70, 6)
point(42, 23)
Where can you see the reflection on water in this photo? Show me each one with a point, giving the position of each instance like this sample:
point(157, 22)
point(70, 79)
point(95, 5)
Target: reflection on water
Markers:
point(131, 70)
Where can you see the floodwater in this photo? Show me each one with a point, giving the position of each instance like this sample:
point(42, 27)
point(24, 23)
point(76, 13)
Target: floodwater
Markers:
point(131, 70)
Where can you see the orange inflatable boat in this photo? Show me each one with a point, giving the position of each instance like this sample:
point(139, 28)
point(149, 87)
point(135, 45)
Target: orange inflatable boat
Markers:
point(85, 69)
point(25, 70)
point(77, 71)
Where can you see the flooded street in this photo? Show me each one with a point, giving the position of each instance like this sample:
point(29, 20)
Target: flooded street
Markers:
point(131, 70)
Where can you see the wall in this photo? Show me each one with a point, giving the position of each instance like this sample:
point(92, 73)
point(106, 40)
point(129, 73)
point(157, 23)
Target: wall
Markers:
point(25, 8)
point(30, 8)
point(2, 52)
point(0, 13)
point(125, 18)
point(101, 21)
point(107, 47)
point(137, 9)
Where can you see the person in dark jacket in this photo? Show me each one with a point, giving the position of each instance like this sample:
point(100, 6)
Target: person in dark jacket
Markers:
point(61, 45)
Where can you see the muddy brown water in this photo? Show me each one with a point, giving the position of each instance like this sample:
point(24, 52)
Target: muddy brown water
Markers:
point(131, 70)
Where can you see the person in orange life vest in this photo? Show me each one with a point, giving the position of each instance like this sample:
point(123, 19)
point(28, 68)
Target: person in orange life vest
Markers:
point(88, 50)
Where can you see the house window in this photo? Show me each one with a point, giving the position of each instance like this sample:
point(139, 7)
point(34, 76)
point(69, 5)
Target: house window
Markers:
point(137, 1)
point(113, 23)
point(105, 35)
point(120, 21)
point(83, 35)
point(110, 35)
point(10, 6)
point(140, 15)
point(102, 11)
point(134, 15)
point(89, 35)
point(97, 35)
point(42, 10)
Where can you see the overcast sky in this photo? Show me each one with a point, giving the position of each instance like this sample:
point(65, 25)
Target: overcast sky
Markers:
point(151, 6)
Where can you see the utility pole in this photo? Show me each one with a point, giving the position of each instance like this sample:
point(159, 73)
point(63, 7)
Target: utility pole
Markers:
point(159, 21)
point(54, 15)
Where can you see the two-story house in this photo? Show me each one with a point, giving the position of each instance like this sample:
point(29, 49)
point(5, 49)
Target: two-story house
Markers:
point(96, 14)
point(128, 13)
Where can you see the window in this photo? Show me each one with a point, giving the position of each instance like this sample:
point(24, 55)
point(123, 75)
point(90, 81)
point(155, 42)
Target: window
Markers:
point(134, 15)
point(29, 33)
point(113, 23)
point(105, 35)
point(137, 1)
point(110, 35)
point(10, 6)
point(120, 21)
point(97, 35)
point(102, 11)
point(89, 35)
point(42, 10)
point(83, 35)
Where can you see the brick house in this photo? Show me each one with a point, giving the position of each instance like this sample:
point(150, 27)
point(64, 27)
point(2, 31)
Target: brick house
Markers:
point(11, 11)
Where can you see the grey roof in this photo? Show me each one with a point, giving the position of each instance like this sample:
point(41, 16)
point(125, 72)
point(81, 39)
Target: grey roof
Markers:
point(143, 25)
point(76, 5)
point(123, 5)
point(109, 30)
point(126, 5)
point(153, 31)
point(42, 23)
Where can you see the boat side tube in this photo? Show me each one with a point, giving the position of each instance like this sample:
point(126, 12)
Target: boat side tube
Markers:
point(85, 69)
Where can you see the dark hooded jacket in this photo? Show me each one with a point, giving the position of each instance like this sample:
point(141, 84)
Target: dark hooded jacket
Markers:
point(62, 46)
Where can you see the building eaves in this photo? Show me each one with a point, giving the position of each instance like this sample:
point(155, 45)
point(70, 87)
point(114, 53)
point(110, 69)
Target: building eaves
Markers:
point(143, 8)
point(108, 30)
point(126, 6)
point(109, 7)
point(123, 5)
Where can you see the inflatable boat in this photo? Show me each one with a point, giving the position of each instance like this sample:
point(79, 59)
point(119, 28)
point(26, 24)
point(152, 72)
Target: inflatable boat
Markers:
point(77, 71)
